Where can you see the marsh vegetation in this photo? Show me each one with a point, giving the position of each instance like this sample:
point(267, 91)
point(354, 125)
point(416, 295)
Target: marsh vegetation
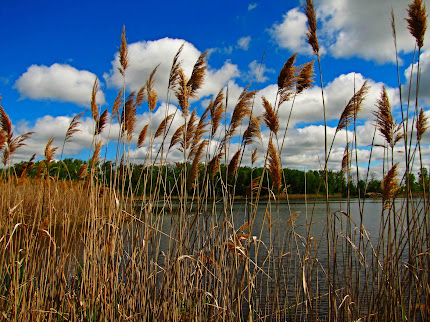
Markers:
point(74, 245)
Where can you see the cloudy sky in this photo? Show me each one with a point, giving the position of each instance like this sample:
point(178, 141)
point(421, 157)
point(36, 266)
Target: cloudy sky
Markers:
point(52, 51)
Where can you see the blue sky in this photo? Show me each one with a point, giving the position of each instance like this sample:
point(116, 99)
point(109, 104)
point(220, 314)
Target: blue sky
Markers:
point(53, 50)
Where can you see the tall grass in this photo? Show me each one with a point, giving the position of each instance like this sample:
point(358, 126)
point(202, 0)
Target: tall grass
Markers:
point(95, 249)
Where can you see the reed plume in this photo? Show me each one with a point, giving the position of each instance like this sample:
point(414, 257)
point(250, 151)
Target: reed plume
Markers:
point(40, 170)
point(255, 183)
point(346, 159)
point(305, 77)
point(5, 123)
point(242, 109)
point(174, 71)
point(83, 171)
point(254, 156)
point(161, 128)
point(101, 122)
point(142, 136)
point(198, 74)
point(94, 107)
point(270, 118)
point(353, 107)
point(312, 27)
point(291, 222)
point(286, 79)
point(213, 165)
point(49, 151)
point(152, 94)
point(13, 144)
point(389, 186)
point(191, 128)
point(117, 104)
point(128, 117)
point(96, 155)
point(199, 131)
point(274, 166)
point(417, 21)
point(123, 53)
point(388, 128)
point(217, 111)
point(182, 93)
point(177, 136)
point(422, 125)
point(232, 166)
point(140, 97)
point(26, 168)
point(73, 126)
point(2, 139)
point(253, 131)
point(196, 162)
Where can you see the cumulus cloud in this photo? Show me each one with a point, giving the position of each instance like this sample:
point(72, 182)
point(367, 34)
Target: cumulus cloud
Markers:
point(349, 28)
point(291, 32)
point(308, 105)
point(146, 55)
point(424, 90)
point(58, 82)
point(252, 6)
point(243, 42)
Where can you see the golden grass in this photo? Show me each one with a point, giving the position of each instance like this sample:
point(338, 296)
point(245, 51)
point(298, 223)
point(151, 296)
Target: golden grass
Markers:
point(92, 249)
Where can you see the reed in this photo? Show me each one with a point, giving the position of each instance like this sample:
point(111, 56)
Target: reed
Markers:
point(170, 241)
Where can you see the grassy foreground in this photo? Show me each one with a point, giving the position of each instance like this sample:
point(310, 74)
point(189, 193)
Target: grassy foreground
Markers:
point(82, 250)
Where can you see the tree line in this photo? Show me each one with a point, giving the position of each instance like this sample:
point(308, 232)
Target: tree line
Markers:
point(294, 181)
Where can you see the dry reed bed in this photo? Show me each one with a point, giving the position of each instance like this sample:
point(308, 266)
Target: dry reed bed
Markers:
point(81, 250)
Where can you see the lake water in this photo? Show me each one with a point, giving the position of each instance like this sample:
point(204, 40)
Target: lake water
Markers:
point(282, 241)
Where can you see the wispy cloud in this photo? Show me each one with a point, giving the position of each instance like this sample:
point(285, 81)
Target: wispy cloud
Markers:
point(252, 6)
point(243, 42)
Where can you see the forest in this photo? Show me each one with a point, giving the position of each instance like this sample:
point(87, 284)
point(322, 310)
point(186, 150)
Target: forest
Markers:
point(295, 182)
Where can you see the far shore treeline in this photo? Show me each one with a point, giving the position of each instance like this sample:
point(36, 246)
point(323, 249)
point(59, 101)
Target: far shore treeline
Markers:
point(296, 181)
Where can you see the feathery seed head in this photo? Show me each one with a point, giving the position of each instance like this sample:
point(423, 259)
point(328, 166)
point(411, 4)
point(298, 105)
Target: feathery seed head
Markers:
point(417, 21)
point(353, 107)
point(422, 125)
point(73, 127)
point(197, 76)
point(305, 78)
point(389, 186)
point(312, 27)
point(232, 166)
point(123, 53)
point(254, 156)
point(94, 107)
point(162, 127)
point(49, 151)
point(270, 117)
point(142, 136)
point(253, 131)
point(274, 166)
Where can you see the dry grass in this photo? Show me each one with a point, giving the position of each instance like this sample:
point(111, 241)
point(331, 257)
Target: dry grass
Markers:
point(92, 249)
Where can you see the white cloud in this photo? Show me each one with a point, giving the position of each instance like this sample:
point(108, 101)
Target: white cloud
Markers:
point(424, 90)
point(243, 42)
point(252, 6)
point(291, 33)
point(349, 28)
point(257, 72)
point(308, 105)
point(363, 28)
point(58, 82)
point(146, 55)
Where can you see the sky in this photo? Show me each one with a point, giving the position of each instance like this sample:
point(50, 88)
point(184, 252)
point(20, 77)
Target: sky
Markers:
point(52, 51)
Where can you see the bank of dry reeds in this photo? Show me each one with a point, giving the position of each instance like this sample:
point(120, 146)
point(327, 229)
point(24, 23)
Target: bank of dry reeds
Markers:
point(95, 249)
